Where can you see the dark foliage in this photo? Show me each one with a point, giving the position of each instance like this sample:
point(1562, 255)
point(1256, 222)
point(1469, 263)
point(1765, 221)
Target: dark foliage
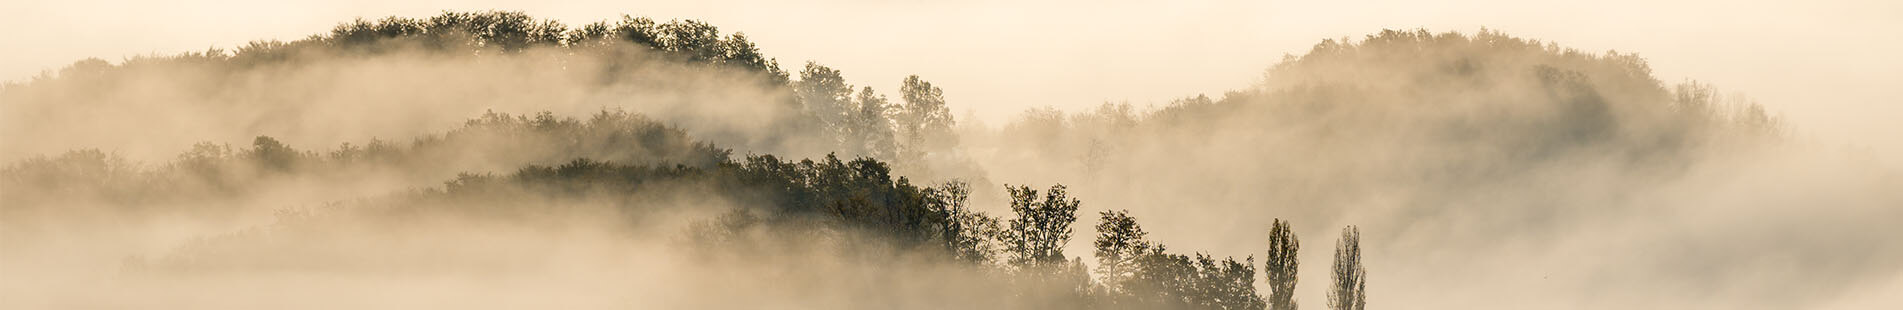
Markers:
point(213, 171)
point(1349, 291)
point(1138, 274)
point(1281, 266)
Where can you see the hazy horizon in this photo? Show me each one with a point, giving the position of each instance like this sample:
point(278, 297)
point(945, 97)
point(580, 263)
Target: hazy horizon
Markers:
point(1825, 66)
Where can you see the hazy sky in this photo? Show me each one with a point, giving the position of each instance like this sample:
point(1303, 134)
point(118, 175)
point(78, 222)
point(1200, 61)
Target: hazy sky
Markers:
point(1829, 66)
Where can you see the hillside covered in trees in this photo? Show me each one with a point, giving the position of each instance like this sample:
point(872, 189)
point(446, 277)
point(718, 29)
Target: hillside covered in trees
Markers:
point(495, 160)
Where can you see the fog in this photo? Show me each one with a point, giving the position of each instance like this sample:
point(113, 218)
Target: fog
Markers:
point(1434, 150)
point(445, 167)
point(331, 99)
point(1087, 53)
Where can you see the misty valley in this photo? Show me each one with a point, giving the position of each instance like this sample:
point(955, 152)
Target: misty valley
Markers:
point(494, 160)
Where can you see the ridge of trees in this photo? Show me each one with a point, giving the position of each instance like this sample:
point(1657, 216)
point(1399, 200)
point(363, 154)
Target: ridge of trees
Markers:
point(867, 124)
point(1470, 111)
point(860, 195)
point(469, 33)
point(855, 123)
point(212, 170)
point(802, 198)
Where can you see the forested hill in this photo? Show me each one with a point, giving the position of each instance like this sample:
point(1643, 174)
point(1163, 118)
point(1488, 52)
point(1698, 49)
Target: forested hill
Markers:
point(478, 160)
point(400, 77)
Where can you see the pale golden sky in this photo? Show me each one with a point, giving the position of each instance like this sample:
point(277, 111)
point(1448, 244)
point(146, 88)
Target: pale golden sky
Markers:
point(1830, 67)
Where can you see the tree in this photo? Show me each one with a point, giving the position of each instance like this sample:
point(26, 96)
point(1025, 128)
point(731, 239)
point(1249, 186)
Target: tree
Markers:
point(967, 234)
point(504, 31)
point(1280, 266)
point(1350, 291)
point(1226, 284)
point(924, 122)
point(869, 129)
point(1139, 274)
point(1042, 226)
point(1164, 280)
point(267, 152)
point(1120, 243)
point(739, 51)
point(825, 94)
point(1034, 248)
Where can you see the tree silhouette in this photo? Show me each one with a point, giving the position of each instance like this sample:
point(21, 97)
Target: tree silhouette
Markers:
point(1120, 244)
point(268, 153)
point(868, 128)
point(924, 122)
point(1042, 225)
point(1281, 266)
point(1136, 273)
point(1350, 290)
point(966, 232)
point(825, 95)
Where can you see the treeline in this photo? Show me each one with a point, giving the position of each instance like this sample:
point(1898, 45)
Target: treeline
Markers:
point(216, 172)
point(654, 168)
point(474, 33)
point(631, 41)
point(1425, 120)
point(719, 85)
point(868, 124)
point(792, 204)
point(1023, 250)
point(856, 122)
point(1492, 98)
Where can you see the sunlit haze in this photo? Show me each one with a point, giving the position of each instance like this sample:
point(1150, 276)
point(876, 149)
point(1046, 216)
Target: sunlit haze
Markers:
point(847, 154)
point(1828, 65)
